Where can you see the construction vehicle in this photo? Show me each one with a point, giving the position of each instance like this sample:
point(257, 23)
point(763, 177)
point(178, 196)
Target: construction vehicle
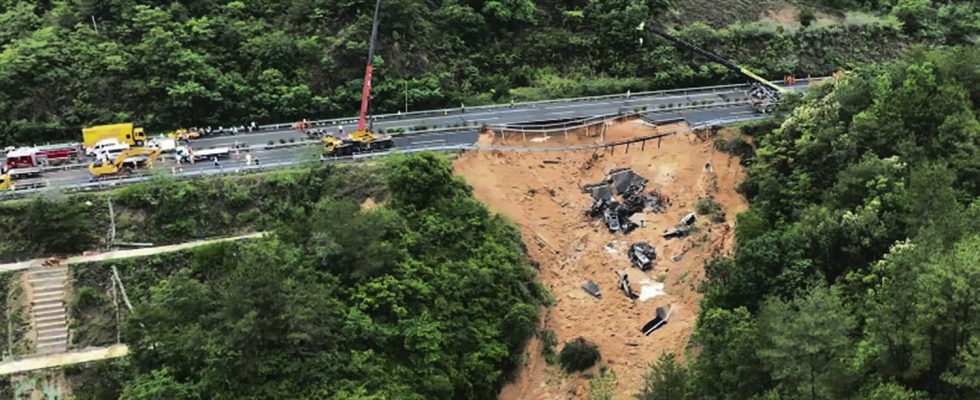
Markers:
point(184, 134)
point(11, 178)
point(363, 139)
point(124, 133)
point(764, 94)
point(125, 163)
point(334, 147)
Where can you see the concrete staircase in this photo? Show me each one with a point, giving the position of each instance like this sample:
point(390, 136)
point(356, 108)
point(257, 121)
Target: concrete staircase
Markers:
point(48, 308)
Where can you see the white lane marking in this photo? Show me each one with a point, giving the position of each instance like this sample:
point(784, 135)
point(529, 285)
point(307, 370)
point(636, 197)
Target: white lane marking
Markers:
point(428, 141)
point(484, 119)
point(610, 102)
point(561, 113)
point(742, 112)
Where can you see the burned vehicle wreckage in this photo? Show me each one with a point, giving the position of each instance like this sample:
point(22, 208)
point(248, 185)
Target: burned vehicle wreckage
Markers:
point(621, 195)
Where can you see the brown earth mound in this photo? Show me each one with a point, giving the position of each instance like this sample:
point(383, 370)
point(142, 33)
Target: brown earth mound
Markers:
point(541, 193)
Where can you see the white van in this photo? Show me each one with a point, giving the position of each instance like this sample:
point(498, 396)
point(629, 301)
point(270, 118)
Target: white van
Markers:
point(165, 144)
point(111, 152)
point(102, 145)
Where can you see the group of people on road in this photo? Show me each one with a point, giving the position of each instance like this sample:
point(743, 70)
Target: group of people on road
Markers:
point(235, 129)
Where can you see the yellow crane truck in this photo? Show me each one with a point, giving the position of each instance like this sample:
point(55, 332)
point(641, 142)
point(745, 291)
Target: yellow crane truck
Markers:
point(333, 147)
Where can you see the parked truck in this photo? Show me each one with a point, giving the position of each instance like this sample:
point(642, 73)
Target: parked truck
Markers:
point(187, 154)
point(33, 157)
point(20, 178)
point(124, 133)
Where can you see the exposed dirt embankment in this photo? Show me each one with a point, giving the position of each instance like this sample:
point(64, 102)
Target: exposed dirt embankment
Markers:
point(541, 193)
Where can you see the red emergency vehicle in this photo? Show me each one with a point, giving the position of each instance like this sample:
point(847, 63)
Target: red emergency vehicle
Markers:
point(29, 157)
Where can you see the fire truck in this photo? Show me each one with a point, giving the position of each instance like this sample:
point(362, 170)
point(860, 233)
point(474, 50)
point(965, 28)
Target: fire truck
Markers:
point(36, 157)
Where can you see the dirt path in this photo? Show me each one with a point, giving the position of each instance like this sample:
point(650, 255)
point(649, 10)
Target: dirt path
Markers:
point(541, 193)
point(119, 254)
point(57, 360)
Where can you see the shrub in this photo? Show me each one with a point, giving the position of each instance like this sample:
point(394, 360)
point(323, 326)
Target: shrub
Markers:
point(548, 342)
point(806, 16)
point(86, 298)
point(578, 355)
point(736, 146)
point(706, 205)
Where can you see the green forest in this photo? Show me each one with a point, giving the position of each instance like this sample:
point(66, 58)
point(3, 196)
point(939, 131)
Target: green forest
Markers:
point(854, 277)
point(168, 64)
point(858, 263)
point(428, 296)
point(166, 210)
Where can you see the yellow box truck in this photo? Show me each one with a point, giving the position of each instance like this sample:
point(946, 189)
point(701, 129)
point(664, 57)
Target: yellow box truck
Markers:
point(124, 133)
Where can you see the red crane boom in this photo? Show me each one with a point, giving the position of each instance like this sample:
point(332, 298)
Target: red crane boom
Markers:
point(366, 91)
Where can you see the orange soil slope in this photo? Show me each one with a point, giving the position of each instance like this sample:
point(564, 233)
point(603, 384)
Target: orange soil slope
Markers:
point(544, 199)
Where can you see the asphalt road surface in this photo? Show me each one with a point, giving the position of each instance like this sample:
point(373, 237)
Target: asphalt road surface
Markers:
point(289, 146)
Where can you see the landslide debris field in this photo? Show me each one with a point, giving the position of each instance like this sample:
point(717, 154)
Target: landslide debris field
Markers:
point(551, 195)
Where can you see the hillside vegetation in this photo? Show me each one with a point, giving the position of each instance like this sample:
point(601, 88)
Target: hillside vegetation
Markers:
point(428, 296)
point(858, 263)
point(166, 211)
point(167, 64)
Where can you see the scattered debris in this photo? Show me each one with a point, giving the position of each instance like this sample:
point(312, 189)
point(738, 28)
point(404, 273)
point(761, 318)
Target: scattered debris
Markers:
point(682, 228)
point(592, 288)
point(642, 255)
point(613, 247)
point(658, 321)
point(689, 219)
point(629, 187)
point(611, 216)
point(677, 258)
point(624, 285)
point(676, 232)
point(658, 202)
point(650, 289)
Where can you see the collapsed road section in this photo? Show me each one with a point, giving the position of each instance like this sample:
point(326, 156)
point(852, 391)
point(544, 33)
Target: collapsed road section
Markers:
point(578, 258)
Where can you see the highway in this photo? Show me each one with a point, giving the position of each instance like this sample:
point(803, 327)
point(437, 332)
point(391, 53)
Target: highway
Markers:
point(280, 145)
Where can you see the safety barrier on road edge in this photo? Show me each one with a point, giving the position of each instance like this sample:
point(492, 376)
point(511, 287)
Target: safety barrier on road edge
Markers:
point(268, 166)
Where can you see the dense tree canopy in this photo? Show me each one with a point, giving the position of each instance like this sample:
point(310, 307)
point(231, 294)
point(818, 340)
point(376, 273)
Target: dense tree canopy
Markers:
point(166, 64)
point(858, 264)
point(422, 298)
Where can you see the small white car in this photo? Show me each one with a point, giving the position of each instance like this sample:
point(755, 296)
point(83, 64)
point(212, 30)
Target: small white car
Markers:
point(111, 152)
point(102, 145)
